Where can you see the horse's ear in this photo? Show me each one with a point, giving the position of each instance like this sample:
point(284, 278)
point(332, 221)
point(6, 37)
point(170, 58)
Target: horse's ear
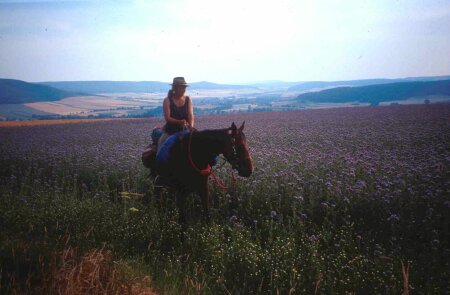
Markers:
point(233, 128)
point(242, 127)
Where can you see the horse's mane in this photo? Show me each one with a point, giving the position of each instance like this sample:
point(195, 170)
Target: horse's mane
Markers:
point(211, 134)
point(213, 131)
point(204, 143)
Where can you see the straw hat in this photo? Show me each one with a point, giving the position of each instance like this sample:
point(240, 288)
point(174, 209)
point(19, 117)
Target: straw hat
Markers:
point(179, 81)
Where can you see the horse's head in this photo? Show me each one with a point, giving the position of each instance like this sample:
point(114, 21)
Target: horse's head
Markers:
point(236, 151)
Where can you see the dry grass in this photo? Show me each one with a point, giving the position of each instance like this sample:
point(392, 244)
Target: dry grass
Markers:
point(405, 275)
point(62, 121)
point(93, 273)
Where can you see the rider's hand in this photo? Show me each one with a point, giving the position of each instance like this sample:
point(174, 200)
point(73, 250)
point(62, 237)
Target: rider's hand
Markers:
point(183, 123)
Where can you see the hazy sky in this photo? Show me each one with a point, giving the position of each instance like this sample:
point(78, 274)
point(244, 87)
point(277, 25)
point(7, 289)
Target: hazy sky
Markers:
point(232, 41)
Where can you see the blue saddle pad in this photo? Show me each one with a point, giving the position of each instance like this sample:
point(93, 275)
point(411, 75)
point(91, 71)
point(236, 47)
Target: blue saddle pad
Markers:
point(162, 157)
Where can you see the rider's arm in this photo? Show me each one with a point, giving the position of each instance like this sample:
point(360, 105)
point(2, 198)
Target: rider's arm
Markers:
point(191, 114)
point(169, 119)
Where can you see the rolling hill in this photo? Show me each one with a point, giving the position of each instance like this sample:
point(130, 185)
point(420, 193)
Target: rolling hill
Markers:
point(109, 86)
point(157, 86)
point(210, 86)
point(128, 86)
point(375, 94)
point(18, 92)
point(310, 85)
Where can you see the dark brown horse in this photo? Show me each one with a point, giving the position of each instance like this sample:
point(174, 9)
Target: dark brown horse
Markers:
point(191, 158)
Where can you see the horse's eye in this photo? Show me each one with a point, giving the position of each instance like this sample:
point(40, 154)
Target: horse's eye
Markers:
point(239, 148)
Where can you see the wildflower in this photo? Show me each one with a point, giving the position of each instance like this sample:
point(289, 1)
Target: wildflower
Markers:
point(298, 198)
point(393, 217)
point(325, 204)
point(435, 244)
point(273, 214)
point(313, 238)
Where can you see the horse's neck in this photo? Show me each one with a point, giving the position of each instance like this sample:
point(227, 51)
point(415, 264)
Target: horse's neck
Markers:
point(210, 142)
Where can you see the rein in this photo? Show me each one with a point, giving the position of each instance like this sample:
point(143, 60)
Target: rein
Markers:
point(204, 172)
point(208, 170)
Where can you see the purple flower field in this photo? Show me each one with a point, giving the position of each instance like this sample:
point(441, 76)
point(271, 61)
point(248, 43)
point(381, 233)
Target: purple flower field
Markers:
point(338, 200)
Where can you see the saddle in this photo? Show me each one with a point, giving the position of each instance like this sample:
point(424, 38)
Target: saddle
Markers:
point(163, 155)
point(152, 158)
point(149, 155)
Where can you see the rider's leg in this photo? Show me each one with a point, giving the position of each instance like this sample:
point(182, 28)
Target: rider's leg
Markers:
point(162, 139)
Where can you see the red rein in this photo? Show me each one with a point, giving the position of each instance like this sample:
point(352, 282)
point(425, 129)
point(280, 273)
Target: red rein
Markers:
point(207, 172)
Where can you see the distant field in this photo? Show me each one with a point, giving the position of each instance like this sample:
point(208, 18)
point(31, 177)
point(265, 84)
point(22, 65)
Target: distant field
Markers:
point(85, 105)
point(54, 122)
point(19, 112)
point(143, 104)
point(57, 108)
point(420, 100)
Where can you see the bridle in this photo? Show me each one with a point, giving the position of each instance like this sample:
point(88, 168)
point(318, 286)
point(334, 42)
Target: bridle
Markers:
point(208, 171)
point(236, 149)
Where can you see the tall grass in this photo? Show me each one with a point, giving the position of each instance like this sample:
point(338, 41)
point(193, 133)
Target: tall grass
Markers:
point(341, 202)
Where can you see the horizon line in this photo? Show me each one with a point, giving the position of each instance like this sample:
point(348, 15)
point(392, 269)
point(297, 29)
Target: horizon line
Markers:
point(235, 83)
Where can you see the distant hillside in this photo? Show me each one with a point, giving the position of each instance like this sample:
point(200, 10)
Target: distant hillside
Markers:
point(274, 85)
point(126, 86)
point(209, 85)
point(304, 86)
point(17, 92)
point(109, 86)
point(157, 86)
point(375, 94)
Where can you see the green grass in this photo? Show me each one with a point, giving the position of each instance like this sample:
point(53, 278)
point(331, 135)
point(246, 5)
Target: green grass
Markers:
point(337, 209)
point(251, 252)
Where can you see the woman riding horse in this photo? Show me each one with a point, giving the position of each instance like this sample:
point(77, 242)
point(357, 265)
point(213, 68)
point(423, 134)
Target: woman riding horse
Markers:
point(178, 110)
point(178, 114)
point(186, 158)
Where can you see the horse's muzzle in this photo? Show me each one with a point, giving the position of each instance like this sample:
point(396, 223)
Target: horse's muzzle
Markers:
point(246, 170)
point(245, 173)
